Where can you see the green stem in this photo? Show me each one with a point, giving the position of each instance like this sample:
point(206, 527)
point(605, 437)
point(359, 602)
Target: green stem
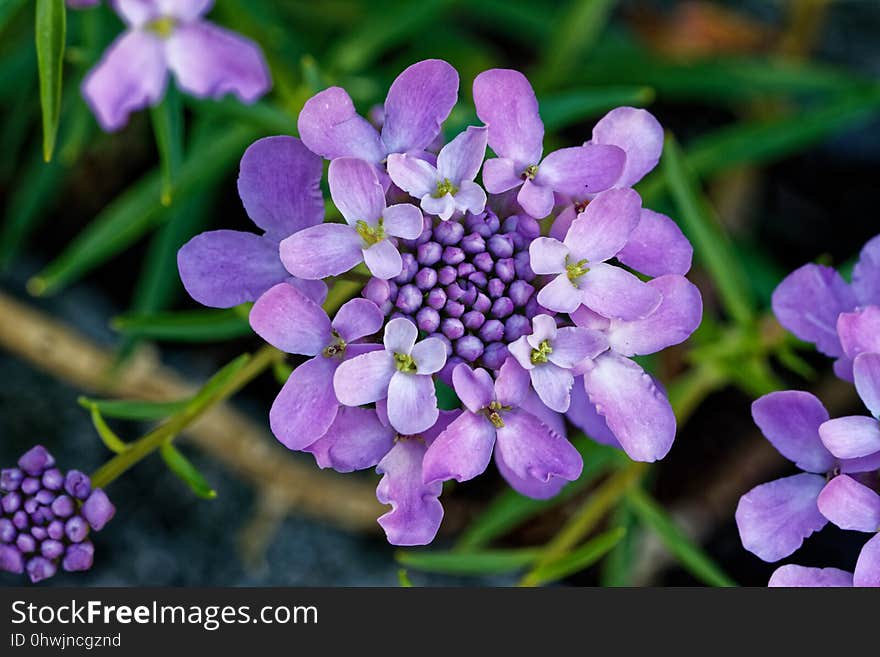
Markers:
point(143, 447)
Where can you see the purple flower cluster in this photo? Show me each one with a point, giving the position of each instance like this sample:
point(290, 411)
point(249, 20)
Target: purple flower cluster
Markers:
point(46, 517)
point(463, 288)
point(840, 458)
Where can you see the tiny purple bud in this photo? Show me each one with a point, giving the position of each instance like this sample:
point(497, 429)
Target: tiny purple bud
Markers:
point(452, 255)
point(429, 253)
point(479, 279)
point(39, 533)
point(500, 246)
point(449, 232)
point(20, 520)
point(42, 515)
point(465, 269)
point(473, 319)
point(446, 275)
point(53, 479)
point(484, 261)
point(518, 241)
point(446, 373)
point(454, 291)
point(428, 320)
point(473, 243)
point(492, 221)
point(409, 299)
point(10, 479)
point(40, 568)
point(98, 510)
point(45, 497)
point(446, 342)
point(36, 460)
point(30, 505)
point(452, 328)
point(495, 288)
point(410, 267)
point(453, 309)
point(505, 269)
point(377, 290)
point(30, 485)
point(495, 355)
point(502, 308)
point(392, 289)
point(63, 506)
point(482, 303)
point(520, 292)
point(52, 549)
point(77, 484)
point(534, 308)
point(55, 530)
point(10, 503)
point(26, 543)
point(76, 529)
point(426, 278)
point(470, 294)
point(436, 298)
point(523, 266)
point(492, 331)
point(528, 226)
point(7, 531)
point(469, 348)
point(481, 228)
point(11, 560)
point(78, 557)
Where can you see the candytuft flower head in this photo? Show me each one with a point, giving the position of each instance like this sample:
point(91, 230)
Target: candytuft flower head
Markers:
point(171, 35)
point(46, 517)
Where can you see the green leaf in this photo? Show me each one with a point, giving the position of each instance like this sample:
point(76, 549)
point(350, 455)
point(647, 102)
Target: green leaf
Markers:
point(186, 471)
point(125, 409)
point(447, 400)
point(113, 442)
point(216, 383)
point(8, 10)
point(711, 243)
point(581, 558)
point(617, 565)
point(561, 110)
point(489, 562)
point(51, 28)
point(403, 578)
point(167, 119)
point(690, 555)
point(185, 326)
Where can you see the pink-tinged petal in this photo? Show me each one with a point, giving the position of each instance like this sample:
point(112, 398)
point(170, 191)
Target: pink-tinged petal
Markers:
point(775, 518)
point(417, 104)
point(289, 320)
point(866, 274)
point(574, 344)
point(138, 12)
point(851, 437)
point(209, 62)
point(553, 385)
point(430, 356)
point(530, 487)
point(560, 295)
point(640, 136)
point(521, 350)
point(564, 218)
point(475, 388)
point(864, 464)
point(130, 76)
point(809, 300)
point(279, 182)
point(636, 411)
point(500, 174)
point(185, 10)
point(306, 406)
point(223, 268)
point(460, 159)
point(364, 379)
point(513, 383)
point(443, 207)
point(537, 200)
point(532, 451)
point(400, 335)
point(675, 319)
point(331, 127)
point(657, 246)
point(314, 290)
point(867, 572)
point(581, 170)
point(383, 260)
point(603, 229)
point(543, 328)
point(586, 318)
point(357, 319)
point(547, 255)
point(416, 512)
point(507, 104)
point(462, 451)
point(859, 331)
point(356, 190)
point(615, 293)
point(793, 576)
point(531, 403)
point(470, 198)
point(790, 420)
point(412, 403)
point(355, 441)
point(843, 368)
point(850, 505)
point(584, 416)
point(444, 420)
point(866, 371)
point(412, 174)
point(321, 251)
point(403, 220)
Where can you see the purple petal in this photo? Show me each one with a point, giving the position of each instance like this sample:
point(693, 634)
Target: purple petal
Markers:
point(500, 174)
point(356, 440)
point(531, 403)
point(356, 190)
point(443, 207)
point(331, 127)
point(400, 335)
point(532, 451)
point(306, 406)
point(470, 198)
point(403, 220)
point(866, 371)
point(383, 260)
point(790, 420)
point(605, 226)
point(636, 411)
point(461, 158)
point(186, 10)
point(429, 355)
point(560, 295)
point(462, 451)
point(640, 136)
point(581, 170)
point(412, 403)
point(537, 200)
point(657, 246)
point(358, 318)
point(547, 255)
point(507, 104)
point(867, 572)
point(417, 103)
point(775, 518)
point(675, 319)
point(223, 268)
point(416, 513)
point(543, 328)
point(287, 319)
point(138, 12)
point(615, 293)
point(808, 303)
point(584, 416)
point(866, 274)
point(850, 505)
point(279, 182)
point(513, 383)
point(574, 344)
point(475, 388)
point(412, 174)
point(553, 385)
point(791, 576)
point(321, 251)
point(529, 486)
point(521, 350)
point(851, 437)
point(364, 379)
point(98, 510)
point(859, 331)
point(130, 76)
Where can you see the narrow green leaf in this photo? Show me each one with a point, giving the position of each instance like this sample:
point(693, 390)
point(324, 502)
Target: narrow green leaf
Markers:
point(113, 442)
point(216, 383)
point(186, 326)
point(489, 562)
point(581, 558)
point(618, 564)
point(167, 119)
point(403, 578)
point(186, 471)
point(561, 110)
point(125, 409)
point(51, 29)
point(690, 555)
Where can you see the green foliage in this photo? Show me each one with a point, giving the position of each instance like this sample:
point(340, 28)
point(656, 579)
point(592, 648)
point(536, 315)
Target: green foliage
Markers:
point(51, 32)
point(186, 472)
point(488, 562)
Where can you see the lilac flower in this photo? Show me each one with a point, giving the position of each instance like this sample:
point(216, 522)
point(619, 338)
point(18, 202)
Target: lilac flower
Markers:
point(170, 35)
point(401, 372)
point(526, 450)
point(449, 187)
point(46, 517)
point(791, 576)
point(638, 134)
point(507, 104)
point(307, 406)
point(549, 354)
point(331, 249)
point(279, 184)
point(418, 102)
point(858, 436)
point(579, 262)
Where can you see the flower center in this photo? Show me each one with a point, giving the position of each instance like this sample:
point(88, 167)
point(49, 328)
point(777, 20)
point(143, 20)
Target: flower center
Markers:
point(163, 26)
point(493, 412)
point(530, 172)
point(370, 234)
point(540, 354)
point(580, 206)
point(575, 270)
point(444, 187)
point(404, 363)
point(335, 349)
